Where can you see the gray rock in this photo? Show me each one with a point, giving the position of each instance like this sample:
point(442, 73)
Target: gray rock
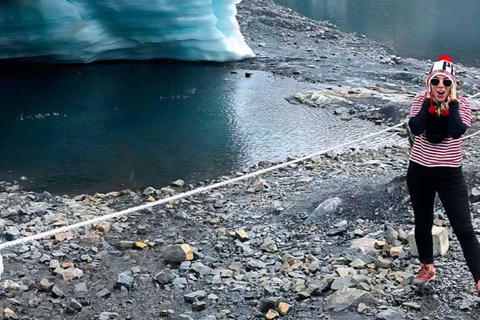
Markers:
point(11, 233)
point(178, 183)
point(45, 285)
point(199, 305)
point(73, 307)
point(174, 254)
point(165, 276)
point(475, 195)
point(57, 292)
point(125, 280)
point(391, 313)
point(195, 296)
point(108, 316)
point(346, 297)
point(104, 293)
point(125, 245)
point(391, 235)
point(340, 283)
point(81, 290)
point(148, 191)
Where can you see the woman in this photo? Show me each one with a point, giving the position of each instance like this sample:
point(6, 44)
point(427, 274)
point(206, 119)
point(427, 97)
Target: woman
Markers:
point(438, 119)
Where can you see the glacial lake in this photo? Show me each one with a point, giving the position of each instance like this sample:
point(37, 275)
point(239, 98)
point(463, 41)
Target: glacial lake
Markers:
point(104, 127)
point(417, 29)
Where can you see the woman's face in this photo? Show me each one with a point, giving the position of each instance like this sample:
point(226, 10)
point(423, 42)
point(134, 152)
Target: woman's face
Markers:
point(439, 90)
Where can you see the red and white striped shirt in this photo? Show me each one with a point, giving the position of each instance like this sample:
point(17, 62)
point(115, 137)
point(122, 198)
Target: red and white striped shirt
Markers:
point(449, 152)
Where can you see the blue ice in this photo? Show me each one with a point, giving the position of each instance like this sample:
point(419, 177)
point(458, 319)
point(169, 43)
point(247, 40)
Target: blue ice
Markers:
point(91, 30)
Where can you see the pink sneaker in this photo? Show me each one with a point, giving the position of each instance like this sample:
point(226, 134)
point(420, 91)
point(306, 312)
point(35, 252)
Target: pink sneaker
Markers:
point(425, 274)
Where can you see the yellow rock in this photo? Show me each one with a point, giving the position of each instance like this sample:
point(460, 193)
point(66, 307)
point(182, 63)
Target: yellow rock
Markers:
point(151, 199)
point(188, 251)
point(283, 308)
point(379, 244)
point(10, 314)
point(241, 235)
point(140, 245)
point(272, 314)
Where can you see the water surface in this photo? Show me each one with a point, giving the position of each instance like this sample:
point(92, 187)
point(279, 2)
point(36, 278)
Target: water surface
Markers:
point(418, 29)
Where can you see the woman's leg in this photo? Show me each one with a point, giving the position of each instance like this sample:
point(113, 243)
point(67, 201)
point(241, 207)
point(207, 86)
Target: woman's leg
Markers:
point(453, 192)
point(422, 195)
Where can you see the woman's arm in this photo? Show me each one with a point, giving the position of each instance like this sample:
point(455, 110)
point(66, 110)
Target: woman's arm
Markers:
point(418, 122)
point(456, 127)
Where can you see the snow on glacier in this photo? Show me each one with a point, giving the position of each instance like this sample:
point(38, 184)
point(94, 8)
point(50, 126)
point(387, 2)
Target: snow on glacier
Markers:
point(91, 30)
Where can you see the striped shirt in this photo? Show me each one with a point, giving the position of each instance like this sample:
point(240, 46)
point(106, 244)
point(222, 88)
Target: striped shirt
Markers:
point(449, 152)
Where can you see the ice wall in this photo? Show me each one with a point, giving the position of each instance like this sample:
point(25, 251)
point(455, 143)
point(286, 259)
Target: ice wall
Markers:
point(89, 30)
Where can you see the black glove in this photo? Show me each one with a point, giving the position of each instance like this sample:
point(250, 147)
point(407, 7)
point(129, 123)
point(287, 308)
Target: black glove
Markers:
point(453, 105)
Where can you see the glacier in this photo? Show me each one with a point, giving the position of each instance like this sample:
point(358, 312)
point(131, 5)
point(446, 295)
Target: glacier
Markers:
point(84, 31)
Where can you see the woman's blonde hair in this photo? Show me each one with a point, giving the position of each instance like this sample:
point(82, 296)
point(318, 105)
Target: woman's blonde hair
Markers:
point(452, 95)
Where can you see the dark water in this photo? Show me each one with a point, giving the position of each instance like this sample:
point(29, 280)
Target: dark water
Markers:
point(421, 29)
point(72, 129)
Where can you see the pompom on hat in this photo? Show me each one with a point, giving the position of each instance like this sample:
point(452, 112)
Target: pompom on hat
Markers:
point(444, 66)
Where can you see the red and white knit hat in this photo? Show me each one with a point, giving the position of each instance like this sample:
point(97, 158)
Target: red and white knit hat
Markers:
point(443, 66)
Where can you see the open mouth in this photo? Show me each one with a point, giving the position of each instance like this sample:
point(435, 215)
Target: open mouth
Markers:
point(440, 93)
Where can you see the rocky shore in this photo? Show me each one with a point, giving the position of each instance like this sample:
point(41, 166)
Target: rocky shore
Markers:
point(324, 239)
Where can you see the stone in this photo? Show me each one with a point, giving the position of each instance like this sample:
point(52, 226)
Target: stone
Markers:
point(340, 283)
point(412, 305)
point(57, 292)
point(283, 308)
point(104, 293)
point(140, 245)
point(346, 297)
point(125, 245)
point(269, 246)
point(73, 307)
point(45, 285)
point(11, 286)
point(475, 195)
point(71, 273)
point(440, 241)
point(362, 307)
point(367, 244)
point(10, 314)
point(148, 191)
point(201, 269)
point(11, 233)
point(165, 276)
point(312, 263)
point(34, 302)
point(226, 273)
point(358, 264)
point(109, 316)
point(391, 235)
point(382, 263)
point(391, 313)
point(272, 314)
point(396, 251)
point(178, 183)
point(103, 227)
point(199, 305)
point(125, 280)
point(80, 289)
point(241, 235)
point(178, 253)
point(195, 296)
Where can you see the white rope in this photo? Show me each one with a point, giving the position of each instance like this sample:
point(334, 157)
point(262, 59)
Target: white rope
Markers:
point(53, 232)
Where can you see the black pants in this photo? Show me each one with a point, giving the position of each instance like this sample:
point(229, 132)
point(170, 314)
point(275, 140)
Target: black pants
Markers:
point(423, 183)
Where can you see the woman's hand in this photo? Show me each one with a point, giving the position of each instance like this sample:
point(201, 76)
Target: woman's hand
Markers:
point(453, 104)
